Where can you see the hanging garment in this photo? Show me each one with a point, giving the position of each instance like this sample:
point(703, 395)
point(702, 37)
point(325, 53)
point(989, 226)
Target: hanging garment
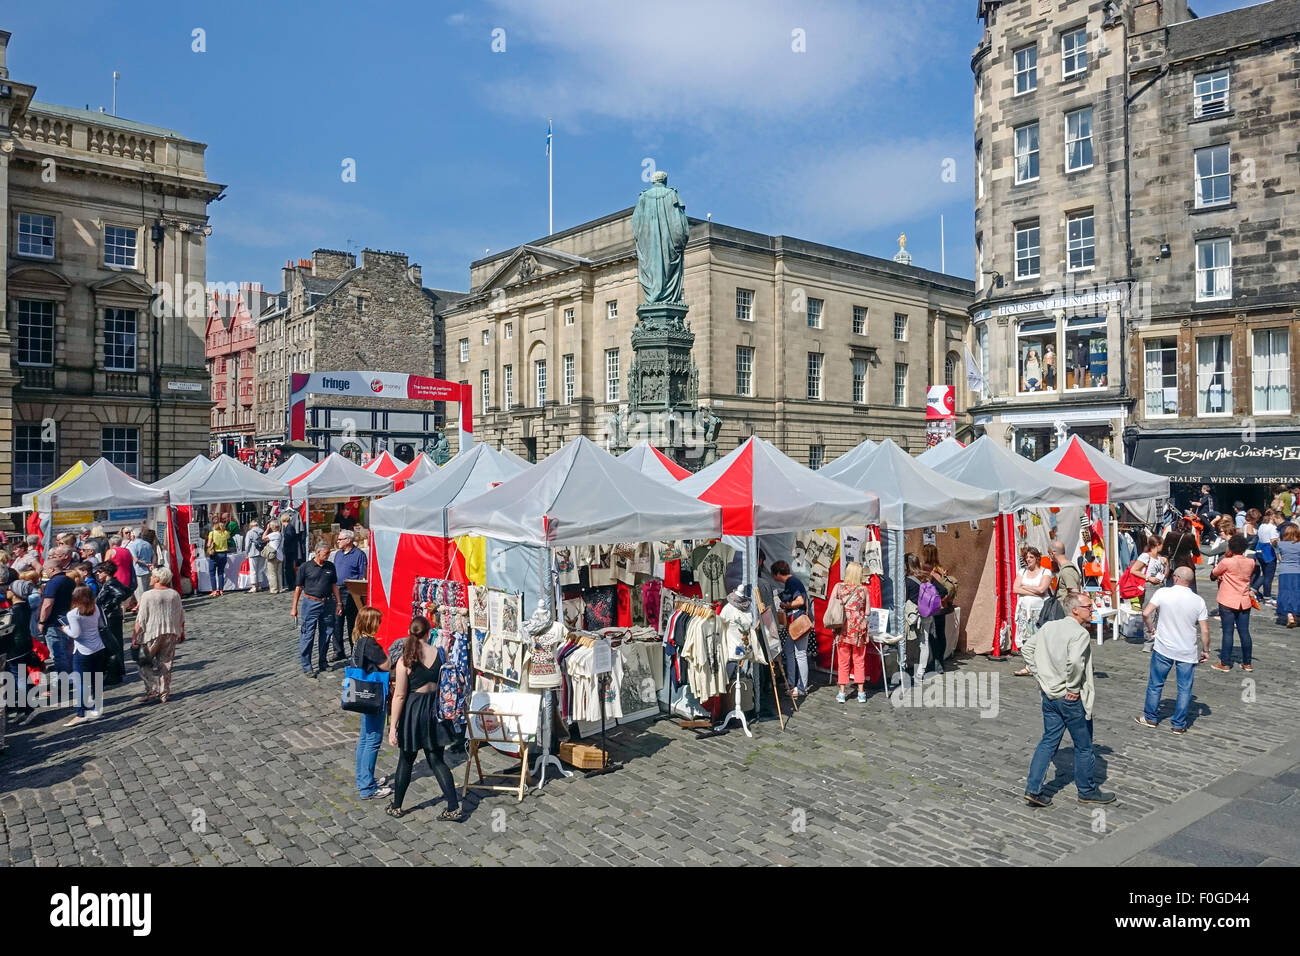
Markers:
point(707, 663)
point(623, 614)
point(736, 631)
point(601, 608)
point(453, 683)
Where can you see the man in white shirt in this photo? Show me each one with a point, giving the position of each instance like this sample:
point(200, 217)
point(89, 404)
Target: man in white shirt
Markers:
point(1059, 655)
point(1182, 612)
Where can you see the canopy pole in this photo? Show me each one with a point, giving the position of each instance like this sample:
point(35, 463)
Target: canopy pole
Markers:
point(750, 580)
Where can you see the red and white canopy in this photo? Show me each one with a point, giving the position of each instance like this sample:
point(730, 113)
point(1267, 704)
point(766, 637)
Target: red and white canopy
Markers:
point(763, 491)
point(384, 465)
point(417, 470)
point(649, 460)
point(1110, 480)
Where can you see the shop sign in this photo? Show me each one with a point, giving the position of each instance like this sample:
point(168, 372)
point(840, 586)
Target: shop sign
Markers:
point(1220, 459)
point(1052, 303)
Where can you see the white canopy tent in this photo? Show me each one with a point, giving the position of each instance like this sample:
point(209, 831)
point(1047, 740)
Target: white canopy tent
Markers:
point(291, 467)
point(199, 464)
point(336, 477)
point(582, 495)
point(227, 480)
point(849, 460)
point(1019, 482)
point(104, 486)
point(650, 461)
point(945, 450)
point(914, 496)
point(38, 500)
point(422, 507)
point(1126, 484)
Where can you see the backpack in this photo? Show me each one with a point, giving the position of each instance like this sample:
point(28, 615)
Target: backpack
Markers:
point(928, 603)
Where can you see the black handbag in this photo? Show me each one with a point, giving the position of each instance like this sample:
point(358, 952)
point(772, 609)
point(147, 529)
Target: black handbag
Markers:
point(1052, 609)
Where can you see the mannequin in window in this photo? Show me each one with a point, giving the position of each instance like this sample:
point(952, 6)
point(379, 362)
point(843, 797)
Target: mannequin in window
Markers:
point(1033, 371)
point(1049, 367)
point(1082, 362)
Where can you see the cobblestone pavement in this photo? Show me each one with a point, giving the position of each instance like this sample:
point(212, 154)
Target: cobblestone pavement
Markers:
point(251, 763)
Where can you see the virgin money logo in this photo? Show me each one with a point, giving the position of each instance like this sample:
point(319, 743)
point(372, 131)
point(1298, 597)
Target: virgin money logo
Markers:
point(376, 386)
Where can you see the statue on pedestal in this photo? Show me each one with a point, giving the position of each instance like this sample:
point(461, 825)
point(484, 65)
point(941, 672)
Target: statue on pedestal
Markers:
point(661, 229)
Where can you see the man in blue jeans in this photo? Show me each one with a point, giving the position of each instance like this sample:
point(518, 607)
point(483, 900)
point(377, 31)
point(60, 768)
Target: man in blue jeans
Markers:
point(1059, 656)
point(318, 585)
point(1180, 613)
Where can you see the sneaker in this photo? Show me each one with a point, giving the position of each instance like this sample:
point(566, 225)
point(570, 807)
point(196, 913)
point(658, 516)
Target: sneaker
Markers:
point(381, 792)
point(310, 675)
point(1142, 720)
point(1097, 796)
point(1038, 800)
point(862, 696)
point(840, 698)
point(1248, 667)
point(1219, 666)
point(1178, 730)
point(74, 721)
point(94, 714)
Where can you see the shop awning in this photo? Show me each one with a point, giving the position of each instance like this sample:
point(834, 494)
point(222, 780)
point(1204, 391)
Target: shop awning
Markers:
point(912, 495)
point(583, 495)
point(103, 486)
point(650, 461)
point(1125, 484)
point(1019, 482)
point(847, 461)
point(762, 491)
point(1223, 458)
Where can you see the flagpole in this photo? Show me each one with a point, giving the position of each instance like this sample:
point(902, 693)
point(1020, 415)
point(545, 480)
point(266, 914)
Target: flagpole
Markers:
point(550, 181)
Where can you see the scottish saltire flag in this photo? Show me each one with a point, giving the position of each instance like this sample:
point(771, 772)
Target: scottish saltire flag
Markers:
point(548, 137)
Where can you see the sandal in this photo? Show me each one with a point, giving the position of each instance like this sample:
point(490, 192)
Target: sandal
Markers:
point(1023, 672)
point(393, 811)
point(453, 816)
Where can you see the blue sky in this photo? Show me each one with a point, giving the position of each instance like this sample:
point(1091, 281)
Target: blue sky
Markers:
point(842, 143)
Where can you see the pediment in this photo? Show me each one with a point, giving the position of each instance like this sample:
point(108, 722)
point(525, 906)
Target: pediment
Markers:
point(530, 262)
point(121, 284)
point(38, 277)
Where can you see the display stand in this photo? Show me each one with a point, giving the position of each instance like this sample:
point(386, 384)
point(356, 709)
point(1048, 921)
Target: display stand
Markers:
point(738, 713)
point(499, 735)
point(547, 759)
point(602, 664)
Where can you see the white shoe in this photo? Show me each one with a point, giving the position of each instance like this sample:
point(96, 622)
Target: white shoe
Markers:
point(94, 714)
point(74, 721)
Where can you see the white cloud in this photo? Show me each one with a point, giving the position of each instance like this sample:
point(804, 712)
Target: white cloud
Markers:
point(456, 19)
point(700, 60)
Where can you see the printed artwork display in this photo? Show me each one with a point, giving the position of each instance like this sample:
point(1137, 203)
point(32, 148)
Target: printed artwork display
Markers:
point(818, 549)
point(851, 541)
point(500, 649)
point(478, 608)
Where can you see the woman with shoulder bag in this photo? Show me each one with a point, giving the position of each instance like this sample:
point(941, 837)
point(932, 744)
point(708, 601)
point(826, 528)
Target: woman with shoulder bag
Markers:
point(368, 657)
point(794, 601)
point(946, 585)
point(1031, 587)
point(159, 627)
point(854, 631)
point(89, 654)
point(416, 725)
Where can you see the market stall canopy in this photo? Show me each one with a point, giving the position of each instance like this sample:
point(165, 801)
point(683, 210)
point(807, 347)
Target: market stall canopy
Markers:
point(1020, 483)
point(421, 507)
point(228, 480)
point(912, 495)
point(292, 467)
point(518, 459)
point(944, 451)
point(650, 461)
point(384, 465)
point(849, 460)
point(36, 500)
point(337, 477)
point(197, 465)
point(1080, 460)
point(583, 495)
point(102, 487)
point(762, 491)
point(422, 467)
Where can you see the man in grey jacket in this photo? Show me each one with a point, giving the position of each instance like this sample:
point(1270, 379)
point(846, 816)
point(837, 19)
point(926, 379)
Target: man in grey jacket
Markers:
point(1059, 655)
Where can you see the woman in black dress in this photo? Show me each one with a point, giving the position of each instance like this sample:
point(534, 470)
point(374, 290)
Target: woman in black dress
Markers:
point(415, 725)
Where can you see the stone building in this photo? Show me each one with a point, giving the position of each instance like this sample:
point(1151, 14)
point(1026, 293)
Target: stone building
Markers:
point(809, 346)
point(1172, 244)
point(104, 248)
point(336, 315)
point(1215, 173)
point(230, 344)
point(1052, 296)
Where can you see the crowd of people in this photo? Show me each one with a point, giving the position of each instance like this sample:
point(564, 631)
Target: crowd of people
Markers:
point(67, 608)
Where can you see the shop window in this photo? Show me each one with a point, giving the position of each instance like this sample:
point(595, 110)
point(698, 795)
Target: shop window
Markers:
point(1036, 355)
point(1160, 377)
point(1033, 443)
point(1271, 372)
point(1214, 375)
point(1098, 436)
point(1086, 352)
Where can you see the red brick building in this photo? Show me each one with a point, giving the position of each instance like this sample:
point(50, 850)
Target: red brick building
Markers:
point(231, 340)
